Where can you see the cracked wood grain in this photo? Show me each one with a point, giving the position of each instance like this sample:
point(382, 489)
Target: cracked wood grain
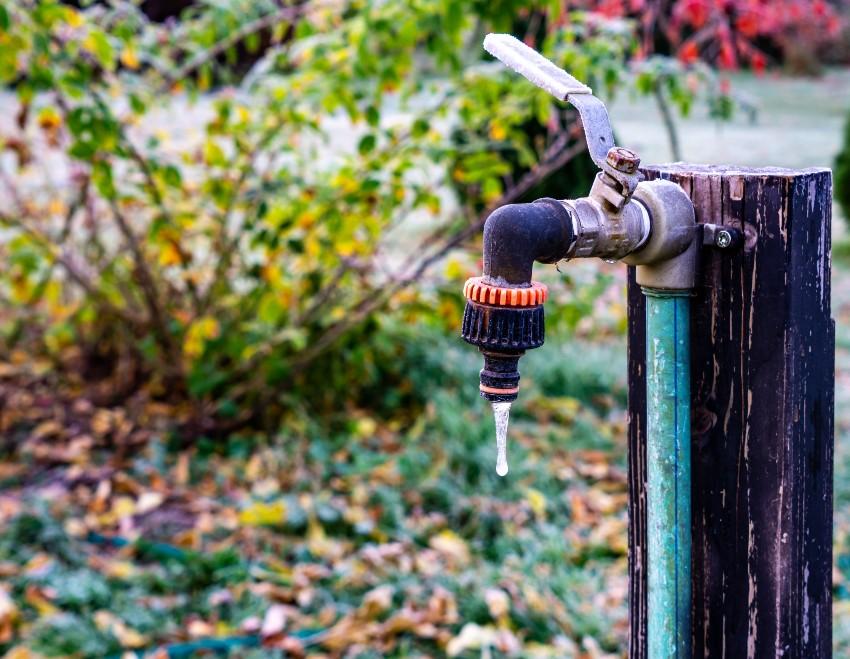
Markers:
point(762, 379)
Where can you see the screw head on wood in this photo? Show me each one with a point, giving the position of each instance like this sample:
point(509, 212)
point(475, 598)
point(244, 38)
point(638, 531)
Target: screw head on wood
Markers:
point(723, 239)
point(623, 160)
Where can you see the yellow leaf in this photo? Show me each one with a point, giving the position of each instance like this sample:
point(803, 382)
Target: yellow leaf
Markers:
point(454, 270)
point(119, 569)
point(198, 333)
point(123, 507)
point(317, 539)
point(260, 513)
point(537, 500)
point(47, 429)
point(254, 469)
point(127, 636)
point(346, 182)
point(170, 255)
point(243, 115)
point(21, 652)
point(272, 273)
point(130, 58)
point(50, 119)
point(213, 153)
point(312, 247)
point(89, 43)
point(306, 219)
point(73, 17)
point(497, 131)
point(366, 427)
point(451, 545)
point(536, 602)
point(37, 600)
point(346, 247)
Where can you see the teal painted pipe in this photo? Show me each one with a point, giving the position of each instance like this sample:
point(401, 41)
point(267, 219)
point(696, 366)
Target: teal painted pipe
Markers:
point(668, 480)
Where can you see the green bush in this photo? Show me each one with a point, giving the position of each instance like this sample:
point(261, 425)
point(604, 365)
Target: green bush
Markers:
point(841, 182)
point(233, 239)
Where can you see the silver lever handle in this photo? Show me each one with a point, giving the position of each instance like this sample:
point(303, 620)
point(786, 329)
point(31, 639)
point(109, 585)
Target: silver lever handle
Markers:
point(538, 70)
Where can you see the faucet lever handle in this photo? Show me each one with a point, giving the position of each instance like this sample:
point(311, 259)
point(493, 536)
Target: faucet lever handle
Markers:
point(533, 66)
point(540, 71)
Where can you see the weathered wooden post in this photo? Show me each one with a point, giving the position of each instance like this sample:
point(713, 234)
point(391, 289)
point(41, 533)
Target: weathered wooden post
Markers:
point(762, 380)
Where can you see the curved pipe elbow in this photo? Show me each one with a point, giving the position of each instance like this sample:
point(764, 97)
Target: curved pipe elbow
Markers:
point(668, 260)
point(517, 235)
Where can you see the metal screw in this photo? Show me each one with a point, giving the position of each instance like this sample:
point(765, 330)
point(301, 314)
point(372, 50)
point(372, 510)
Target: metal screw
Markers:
point(723, 239)
point(623, 160)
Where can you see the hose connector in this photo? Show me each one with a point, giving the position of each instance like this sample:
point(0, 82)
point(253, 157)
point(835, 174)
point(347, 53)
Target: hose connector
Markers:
point(503, 322)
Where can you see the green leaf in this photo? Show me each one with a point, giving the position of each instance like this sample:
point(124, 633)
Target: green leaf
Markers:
point(102, 179)
point(137, 104)
point(372, 116)
point(101, 49)
point(171, 175)
point(367, 144)
point(420, 127)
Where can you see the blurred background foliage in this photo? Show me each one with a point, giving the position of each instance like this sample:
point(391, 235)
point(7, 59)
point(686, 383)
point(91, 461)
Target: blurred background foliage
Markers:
point(234, 408)
point(240, 197)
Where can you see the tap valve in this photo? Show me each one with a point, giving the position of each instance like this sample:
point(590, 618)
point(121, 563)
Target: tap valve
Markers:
point(647, 224)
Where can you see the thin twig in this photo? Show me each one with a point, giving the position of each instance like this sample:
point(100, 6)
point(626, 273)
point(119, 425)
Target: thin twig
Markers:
point(70, 267)
point(155, 193)
point(288, 13)
point(667, 120)
point(227, 245)
point(150, 292)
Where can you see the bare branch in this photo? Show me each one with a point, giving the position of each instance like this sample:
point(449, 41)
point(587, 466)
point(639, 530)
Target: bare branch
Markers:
point(287, 13)
point(149, 289)
point(68, 263)
point(667, 119)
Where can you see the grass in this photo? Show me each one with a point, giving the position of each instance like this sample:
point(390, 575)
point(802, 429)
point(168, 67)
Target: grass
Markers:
point(347, 532)
point(798, 123)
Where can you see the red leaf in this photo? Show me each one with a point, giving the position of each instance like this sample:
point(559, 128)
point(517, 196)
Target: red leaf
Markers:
point(727, 56)
point(689, 53)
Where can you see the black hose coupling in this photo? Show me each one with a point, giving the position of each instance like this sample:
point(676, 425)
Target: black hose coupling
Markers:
point(504, 308)
point(503, 323)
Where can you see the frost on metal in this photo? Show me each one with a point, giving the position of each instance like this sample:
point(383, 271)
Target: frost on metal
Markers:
point(533, 66)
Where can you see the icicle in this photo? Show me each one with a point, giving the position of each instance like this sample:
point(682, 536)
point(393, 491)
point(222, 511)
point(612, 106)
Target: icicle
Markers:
point(501, 413)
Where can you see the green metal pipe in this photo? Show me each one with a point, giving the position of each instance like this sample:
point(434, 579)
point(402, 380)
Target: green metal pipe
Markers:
point(668, 484)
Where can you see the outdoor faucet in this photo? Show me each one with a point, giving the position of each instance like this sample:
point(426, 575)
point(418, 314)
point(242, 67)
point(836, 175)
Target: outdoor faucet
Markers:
point(649, 224)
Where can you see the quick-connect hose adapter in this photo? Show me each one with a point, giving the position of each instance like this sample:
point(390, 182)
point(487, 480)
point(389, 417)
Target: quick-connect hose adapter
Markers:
point(504, 308)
